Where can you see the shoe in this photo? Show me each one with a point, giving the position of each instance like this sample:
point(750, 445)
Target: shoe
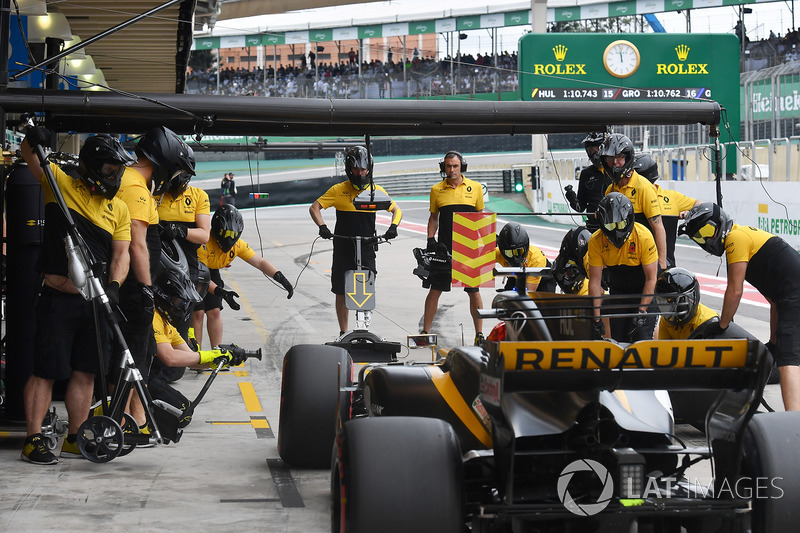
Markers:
point(35, 451)
point(479, 339)
point(145, 430)
point(70, 449)
point(423, 332)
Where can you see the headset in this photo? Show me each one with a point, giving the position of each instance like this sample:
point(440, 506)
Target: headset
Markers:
point(451, 154)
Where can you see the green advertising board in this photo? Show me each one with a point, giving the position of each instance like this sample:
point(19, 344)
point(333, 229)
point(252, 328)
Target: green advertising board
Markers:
point(634, 67)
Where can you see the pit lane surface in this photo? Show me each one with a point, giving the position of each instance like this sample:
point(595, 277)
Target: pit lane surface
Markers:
point(225, 473)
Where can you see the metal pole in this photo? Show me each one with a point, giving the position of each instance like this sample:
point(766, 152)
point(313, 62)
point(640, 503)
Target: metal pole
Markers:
point(405, 83)
point(95, 38)
point(275, 68)
point(5, 36)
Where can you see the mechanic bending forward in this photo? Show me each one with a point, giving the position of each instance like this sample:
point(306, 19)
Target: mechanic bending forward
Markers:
point(571, 266)
point(618, 159)
point(514, 249)
point(671, 202)
point(592, 182)
point(222, 248)
point(769, 264)
point(66, 339)
point(455, 193)
point(358, 167)
point(161, 155)
point(627, 249)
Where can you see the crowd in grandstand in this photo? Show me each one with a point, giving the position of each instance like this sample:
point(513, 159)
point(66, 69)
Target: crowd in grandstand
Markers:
point(422, 76)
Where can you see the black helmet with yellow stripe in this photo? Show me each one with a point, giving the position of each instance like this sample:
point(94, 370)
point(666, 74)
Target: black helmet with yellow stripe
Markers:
point(707, 225)
point(227, 226)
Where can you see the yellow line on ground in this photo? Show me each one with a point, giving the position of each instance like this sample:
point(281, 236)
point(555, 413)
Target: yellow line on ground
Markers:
point(230, 423)
point(251, 402)
point(260, 423)
point(263, 332)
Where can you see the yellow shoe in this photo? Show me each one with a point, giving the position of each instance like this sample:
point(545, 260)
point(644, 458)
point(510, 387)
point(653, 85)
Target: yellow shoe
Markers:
point(35, 451)
point(70, 449)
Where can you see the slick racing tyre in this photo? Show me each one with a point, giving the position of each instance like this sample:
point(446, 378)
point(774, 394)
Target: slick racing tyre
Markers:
point(771, 456)
point(312, 375)
point(397, 474)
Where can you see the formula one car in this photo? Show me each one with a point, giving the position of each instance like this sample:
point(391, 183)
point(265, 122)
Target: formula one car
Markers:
point(543, 431)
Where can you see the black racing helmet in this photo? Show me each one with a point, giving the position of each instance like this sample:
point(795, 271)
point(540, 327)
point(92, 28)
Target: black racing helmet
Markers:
point(617, 144)
point(513, 242)
point(227, 226)
point(574, 245)
point(615, 214)
point(174, 294)
point(203, 279)
point(179, 183)
point(569, 276)
point(646, 166)
point(102, 163)
point(170, 156)
point(677, 295)
point(707, 225)
point(590, 143)
point(357, 157)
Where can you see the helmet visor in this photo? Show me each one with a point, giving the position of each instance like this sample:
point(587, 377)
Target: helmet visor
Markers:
point(706, 232)
point(611, 226)
point(514, 252)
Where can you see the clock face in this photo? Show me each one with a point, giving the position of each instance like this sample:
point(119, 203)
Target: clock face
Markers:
point(621, 59)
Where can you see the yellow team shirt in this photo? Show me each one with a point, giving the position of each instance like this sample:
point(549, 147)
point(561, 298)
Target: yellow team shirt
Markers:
point(742, 243)
point(467, 193)
point(639, 249)
point(672, 202)
point(534, 259)
point(192, 202)
point(642, 195)
point(214, 258)
point(668, 331)
point(164, 332)
point(133, 190)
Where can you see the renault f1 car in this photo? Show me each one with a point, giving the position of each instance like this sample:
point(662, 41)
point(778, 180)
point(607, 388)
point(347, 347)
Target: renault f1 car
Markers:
point(543, 431)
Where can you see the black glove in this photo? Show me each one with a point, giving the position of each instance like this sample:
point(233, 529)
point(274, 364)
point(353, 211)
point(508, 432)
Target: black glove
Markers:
point(714, 330)
point(599, 328)
point(431, 244)
point(441, 250)
point(324, 232)
point(571, 197)
point(391, 233)
point(228, 296)
point(173, 230)
point(112, 291)
point(280, 278)
point(148, 305)
point(638, 328)
point(239, 354)
point(38, 136)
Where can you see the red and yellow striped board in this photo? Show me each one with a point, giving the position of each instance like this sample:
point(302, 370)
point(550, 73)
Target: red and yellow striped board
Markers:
point(474, 243)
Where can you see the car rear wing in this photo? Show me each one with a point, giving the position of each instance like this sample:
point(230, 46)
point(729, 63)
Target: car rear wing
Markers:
point(543, 366)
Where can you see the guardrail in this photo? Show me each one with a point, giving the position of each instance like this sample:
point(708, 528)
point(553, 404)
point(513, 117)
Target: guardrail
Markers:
point(420, 183)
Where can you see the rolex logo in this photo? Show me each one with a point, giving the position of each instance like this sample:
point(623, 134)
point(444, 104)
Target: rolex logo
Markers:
point(682, 51)
point(560, 52)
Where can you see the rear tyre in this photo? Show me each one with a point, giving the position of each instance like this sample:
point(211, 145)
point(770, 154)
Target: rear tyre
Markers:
point(771, 456)
point(397, 474)
point(309, 398)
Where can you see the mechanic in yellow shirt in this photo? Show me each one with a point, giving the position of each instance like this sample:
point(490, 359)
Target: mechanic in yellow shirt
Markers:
point(222, 248)
point(571, 267)
point(627, 250)
point(618, 159)
point(514, 249)
point(769, 264)
point(678, 298)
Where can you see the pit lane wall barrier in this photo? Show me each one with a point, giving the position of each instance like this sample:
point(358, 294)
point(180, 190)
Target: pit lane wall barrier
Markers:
point(767, 205)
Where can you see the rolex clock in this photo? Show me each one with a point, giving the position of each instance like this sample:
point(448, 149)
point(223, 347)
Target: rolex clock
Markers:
point(621, 58)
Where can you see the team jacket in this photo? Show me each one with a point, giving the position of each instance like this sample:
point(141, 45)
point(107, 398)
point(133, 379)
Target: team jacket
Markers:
point(592, 184)
point(446, 200)
point(668, 331)
point(535, 259)
point(99, 221)
point(772, 265)
point(164, 332)
point(624, 264)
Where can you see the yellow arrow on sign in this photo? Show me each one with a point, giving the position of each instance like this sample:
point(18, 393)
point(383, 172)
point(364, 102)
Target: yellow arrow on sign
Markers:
point(360, 289)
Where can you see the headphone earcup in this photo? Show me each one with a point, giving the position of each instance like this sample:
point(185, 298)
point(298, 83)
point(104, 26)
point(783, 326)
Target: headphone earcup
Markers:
point(441, 166)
